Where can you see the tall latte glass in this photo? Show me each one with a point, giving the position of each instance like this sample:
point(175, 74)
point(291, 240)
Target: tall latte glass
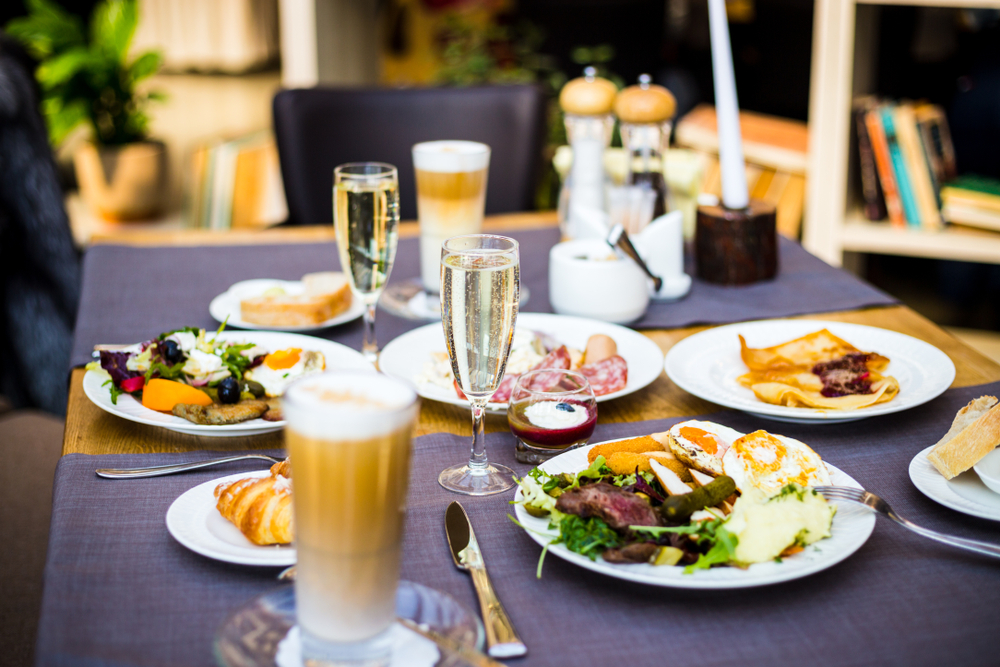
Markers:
point(348, 436)
point(451, 196)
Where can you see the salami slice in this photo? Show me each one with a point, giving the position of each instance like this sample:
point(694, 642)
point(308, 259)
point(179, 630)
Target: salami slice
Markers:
point(558, 358)
point(607, 376)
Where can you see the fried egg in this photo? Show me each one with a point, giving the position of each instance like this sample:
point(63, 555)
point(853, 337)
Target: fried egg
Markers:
point(283, 367)
point(767, 463)
point(701, 445)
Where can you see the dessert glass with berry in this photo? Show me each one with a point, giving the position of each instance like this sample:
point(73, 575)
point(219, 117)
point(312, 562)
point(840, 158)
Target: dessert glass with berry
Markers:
point(550, 411)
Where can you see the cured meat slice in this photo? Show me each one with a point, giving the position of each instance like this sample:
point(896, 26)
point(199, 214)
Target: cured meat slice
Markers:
point(606, 376)
point(558, 358)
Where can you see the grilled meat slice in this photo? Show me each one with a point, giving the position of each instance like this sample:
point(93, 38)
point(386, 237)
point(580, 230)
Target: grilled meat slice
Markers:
point(274, 413)
point(219, 415)
point(638, 552)
point(617, 507)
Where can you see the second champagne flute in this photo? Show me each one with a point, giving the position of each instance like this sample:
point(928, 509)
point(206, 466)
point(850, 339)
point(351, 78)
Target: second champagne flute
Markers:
point(366, 218)
point(479, 290)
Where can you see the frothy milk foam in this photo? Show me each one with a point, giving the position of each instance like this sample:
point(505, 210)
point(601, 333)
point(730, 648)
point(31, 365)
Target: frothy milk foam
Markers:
point(451, 194)
point(348, 436)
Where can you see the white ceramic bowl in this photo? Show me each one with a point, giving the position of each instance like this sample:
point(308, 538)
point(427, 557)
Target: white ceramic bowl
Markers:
point(988, 470)
point(582, 282)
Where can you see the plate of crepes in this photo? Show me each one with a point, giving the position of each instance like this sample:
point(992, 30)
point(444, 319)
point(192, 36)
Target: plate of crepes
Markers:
point(209, 383)
point(244, 518)
point(950, 472)
point(318, 301)
point(617, 361)
point(809, 371)
point(698, 506)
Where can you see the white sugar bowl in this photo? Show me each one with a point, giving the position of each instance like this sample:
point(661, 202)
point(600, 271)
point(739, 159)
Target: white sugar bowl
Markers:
point(587, 278)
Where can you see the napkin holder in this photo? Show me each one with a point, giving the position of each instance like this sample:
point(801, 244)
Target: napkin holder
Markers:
point(661, 246)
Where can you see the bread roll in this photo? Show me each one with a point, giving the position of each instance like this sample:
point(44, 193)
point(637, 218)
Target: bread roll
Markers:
point(974, 434)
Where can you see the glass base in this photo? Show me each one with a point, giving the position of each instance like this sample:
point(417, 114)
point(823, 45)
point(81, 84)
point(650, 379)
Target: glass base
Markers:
point(525, 453)
point(477, 481)
point(375, 652)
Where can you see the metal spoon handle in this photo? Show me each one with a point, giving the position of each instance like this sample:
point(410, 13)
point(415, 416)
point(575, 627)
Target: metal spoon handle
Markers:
point(156, 471)
point(618, 238)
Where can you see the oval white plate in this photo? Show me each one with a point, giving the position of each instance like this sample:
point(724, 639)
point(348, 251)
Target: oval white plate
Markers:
point(227, 305)
point(852, 527)
point(406, 356)
point(965, 493)
point(337, 356)
point(708, 363)
point(194, 521)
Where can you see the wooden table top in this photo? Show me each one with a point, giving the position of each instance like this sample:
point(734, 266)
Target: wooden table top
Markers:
point(90, 430)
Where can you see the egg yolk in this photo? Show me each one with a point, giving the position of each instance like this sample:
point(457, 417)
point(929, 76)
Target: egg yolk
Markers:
point(761, 452)
point(703, 439)
point(283, 358)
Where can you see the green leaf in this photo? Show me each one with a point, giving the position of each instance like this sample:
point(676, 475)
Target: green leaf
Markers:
point(145, 66)
point(59, 69)
point(47, 29)
point(112, 27)
point(62, 120)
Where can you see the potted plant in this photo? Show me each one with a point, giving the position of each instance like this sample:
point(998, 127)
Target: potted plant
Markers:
point(90, 79)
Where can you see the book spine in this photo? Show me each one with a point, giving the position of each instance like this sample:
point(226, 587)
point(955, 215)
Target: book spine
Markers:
point(883, 163)
point(916, 167)
point(871, 190)
point(899, 170)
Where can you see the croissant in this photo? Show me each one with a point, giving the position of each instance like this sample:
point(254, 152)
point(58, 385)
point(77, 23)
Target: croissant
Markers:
point(261, 507)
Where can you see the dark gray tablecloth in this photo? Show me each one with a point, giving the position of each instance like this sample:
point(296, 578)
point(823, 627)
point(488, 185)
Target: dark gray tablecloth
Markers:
point(120, 591)
point(132, 294)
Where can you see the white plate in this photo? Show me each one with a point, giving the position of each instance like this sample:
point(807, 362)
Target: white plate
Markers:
point(194, 521)
point(227, 305)
point(406, 356)
point(851, 528)
point(337, 356)
point(708, 363)
point(964, 493)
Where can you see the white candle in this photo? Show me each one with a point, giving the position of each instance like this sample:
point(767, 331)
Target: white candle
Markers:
point(734, 178)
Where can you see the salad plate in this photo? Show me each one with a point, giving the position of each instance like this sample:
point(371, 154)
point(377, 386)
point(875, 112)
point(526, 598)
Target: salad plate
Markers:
point(407, 356)
point(964, 493)
point(852, 526)
point(708, 364)
point(226, 306)
point(194, 521)
point(337, 357)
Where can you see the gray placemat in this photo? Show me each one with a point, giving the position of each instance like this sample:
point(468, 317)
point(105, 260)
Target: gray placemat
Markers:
point(120, 591)
point(133, 294)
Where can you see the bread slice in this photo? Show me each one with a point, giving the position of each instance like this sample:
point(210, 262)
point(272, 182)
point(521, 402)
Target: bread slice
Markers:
point(326, 295)
point(974, 434)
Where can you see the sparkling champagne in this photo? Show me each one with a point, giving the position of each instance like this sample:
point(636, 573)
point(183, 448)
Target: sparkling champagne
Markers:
point(366, 216)
point(479, 307)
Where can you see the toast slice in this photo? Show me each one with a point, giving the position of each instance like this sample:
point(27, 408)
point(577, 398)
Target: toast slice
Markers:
point(974, 434)
point(326, 295)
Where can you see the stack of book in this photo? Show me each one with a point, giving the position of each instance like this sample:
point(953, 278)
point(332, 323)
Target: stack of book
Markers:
point(236, 184)
point(972, 200)
point(906, 156)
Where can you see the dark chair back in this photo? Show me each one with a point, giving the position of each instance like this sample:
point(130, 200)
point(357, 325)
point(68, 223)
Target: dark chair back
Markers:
point(320, 128)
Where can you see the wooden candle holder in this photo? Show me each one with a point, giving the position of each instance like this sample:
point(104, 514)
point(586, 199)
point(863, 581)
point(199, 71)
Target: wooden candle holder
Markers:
point(736, 246)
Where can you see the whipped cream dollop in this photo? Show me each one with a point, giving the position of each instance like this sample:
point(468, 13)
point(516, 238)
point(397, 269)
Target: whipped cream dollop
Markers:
point(556, 415)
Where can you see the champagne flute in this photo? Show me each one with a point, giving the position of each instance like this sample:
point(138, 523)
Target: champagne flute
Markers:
point(366, 219)
point(479, 299)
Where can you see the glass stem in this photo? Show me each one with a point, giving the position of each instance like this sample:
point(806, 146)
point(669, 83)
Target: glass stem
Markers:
point(477, 459)
point(369, 346)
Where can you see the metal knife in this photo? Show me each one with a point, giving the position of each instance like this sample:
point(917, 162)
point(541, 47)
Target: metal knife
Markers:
point(501, 638)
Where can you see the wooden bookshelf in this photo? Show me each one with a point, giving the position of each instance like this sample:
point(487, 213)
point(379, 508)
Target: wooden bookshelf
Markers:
point(845, 34)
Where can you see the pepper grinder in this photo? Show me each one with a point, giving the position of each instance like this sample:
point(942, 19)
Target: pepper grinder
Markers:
point(587, 103)
point(735, 243)
point(645, 111)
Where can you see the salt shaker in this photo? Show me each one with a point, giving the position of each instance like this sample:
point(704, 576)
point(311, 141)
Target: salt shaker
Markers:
point(587, 103)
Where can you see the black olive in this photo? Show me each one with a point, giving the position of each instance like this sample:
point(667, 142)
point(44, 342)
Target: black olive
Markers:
point(565, 407)
point(229, 391)
point(171, 351)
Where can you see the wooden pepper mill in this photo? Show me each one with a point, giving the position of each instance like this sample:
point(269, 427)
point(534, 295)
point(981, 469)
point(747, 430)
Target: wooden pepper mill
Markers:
point(735, 242)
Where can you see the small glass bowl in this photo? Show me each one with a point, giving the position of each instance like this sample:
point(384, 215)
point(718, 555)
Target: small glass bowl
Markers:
point(550, 411)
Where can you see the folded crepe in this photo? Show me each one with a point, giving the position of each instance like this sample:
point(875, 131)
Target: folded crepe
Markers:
point(819, 370)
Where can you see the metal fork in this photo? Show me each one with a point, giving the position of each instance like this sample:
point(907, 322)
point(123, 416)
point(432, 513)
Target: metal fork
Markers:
point(879, 506)
point(170, 469)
